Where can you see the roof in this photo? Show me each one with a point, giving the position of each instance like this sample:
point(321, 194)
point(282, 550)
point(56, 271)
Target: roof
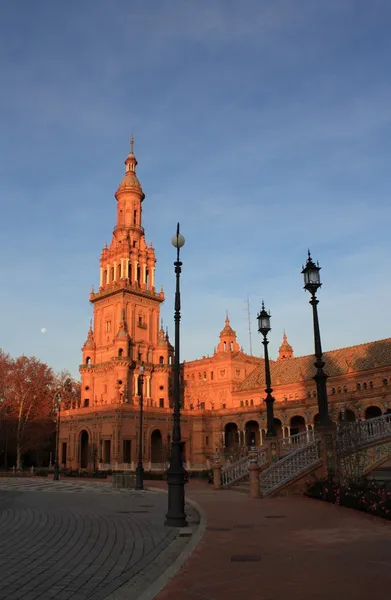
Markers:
point(363, 357)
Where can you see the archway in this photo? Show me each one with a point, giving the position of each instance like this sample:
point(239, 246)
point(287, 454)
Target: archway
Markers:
point(347, 415)
point(231, 435)
point(278, 427)
point(84, 449)
point(297, 425)
point(156, 446)
point(371, 412)
point(252, 434)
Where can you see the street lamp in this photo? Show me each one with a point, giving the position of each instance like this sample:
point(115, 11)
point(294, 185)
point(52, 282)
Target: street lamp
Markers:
point(56, 472)
point(176, 473)
point(140, 468)
point(264, 328)
point(312, 284)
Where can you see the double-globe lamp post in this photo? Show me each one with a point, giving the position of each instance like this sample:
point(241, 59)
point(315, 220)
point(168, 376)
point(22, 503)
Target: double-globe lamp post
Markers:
point(176, 473)
point(264, 328)
point(312, 284)
point(140, 469)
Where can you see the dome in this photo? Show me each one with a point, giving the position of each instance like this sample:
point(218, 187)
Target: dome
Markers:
point(131, 183)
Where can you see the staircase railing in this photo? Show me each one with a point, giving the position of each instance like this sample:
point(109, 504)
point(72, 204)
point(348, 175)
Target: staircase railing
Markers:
point(232, 473)
point(352, 435)
point(290, 467)
point(298, 440)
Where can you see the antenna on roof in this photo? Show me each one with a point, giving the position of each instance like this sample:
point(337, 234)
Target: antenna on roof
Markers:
point(249, 324)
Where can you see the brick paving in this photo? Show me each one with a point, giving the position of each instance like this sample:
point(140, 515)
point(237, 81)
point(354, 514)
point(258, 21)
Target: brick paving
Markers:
point(293, 547)
point(78, 540)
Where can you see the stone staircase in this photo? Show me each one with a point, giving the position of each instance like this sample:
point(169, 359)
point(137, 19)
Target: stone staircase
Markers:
point(290, 468)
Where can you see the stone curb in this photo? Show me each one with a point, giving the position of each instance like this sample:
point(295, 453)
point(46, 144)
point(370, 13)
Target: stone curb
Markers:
point(161, 582)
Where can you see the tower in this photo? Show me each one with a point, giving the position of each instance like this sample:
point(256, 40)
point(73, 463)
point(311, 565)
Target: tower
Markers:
point(285, 350)
point(126, 319)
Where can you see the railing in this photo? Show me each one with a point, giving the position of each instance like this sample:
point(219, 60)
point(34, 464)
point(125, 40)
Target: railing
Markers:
point(150, 466)
point(289, 467)
point(358, 433)
point(232, 473)
point(298, 440)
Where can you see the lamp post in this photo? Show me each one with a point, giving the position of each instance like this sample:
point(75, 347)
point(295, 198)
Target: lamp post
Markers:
point(56, 472)
point(140, 468)
point(312, 284)
point(264, 328)
point(176, 473)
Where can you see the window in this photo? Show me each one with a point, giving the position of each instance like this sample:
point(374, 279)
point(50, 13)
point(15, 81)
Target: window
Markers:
point(241, 403)
point(191, 406)
point(211, 375)
point(120, 352)
point(112, 274)
point(87, 388)
point(371, 384)
point(345, 389)
point(161, 360)
point(204, 375)
point(108, 325)
point(140, 356)
point(225, 346)
point(86, 402)
point(385, 381)
point(364, 385)
point(237, 372)
point(135, 217)
point(339, 389)
point(252, 402)
point(161, 402)
point(223, 406)
point(199, 376)
point(202, 406)
point(127, 446)
point(161, 387)
point(88, 361)
point(207, 440)
point(314, 393)
point(231, 346)
point(246, 402)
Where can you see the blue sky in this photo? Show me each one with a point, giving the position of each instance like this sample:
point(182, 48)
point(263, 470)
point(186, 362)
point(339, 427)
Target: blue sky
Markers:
point(264, 127)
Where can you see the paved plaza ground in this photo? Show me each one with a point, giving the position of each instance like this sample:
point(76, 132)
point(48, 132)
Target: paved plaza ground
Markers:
point(276, 548)
point(77, 540)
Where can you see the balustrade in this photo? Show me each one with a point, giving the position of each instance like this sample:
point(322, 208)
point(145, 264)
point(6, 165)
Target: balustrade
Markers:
point(289, 467)
point(351, 435)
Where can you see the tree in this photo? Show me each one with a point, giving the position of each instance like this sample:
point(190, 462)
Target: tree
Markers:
point(5, 365)
point(29, 394)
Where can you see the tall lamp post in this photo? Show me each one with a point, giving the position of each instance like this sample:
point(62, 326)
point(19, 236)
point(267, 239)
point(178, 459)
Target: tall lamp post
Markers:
point(264, 328)
point(140, 468)
point(312, 284)
point(176, 473)
point(56, 472)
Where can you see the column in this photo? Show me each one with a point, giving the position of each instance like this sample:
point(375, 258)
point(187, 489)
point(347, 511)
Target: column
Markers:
point(115, 270)
point(135, 389)
point(126, 267)
point(148, 387)
point(152, 277)
point(261, 437)
point(135, 270)
point(101, 276)
point(144, 274)
point(108, 274)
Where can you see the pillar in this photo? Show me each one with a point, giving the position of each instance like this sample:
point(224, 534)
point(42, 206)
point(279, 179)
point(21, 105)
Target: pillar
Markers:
point(254, 475)
point(216, 471)
point(101, 277)
point(153, 277)
point(135, 270)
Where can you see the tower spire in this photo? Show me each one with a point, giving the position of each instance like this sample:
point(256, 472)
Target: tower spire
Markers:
point(132, 144)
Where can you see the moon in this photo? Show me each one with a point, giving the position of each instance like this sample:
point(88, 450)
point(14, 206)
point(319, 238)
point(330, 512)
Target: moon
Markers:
point(43, 330)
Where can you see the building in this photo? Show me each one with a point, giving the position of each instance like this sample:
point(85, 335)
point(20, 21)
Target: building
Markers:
point(223, 393)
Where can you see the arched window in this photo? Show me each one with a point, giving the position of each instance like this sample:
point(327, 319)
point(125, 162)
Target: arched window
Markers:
point(225, 346)
point(161, 360)
point(246, 402)
point(88, 361)
point(135, 217)
point(241, 403)
point(358, 386)
point(120, 352)
point(204, 375)
point(371, 384)
point(339, 389)
point(252, 402)
point(231, 346)
point(385, 381)
point(364, 385)
point(345, 389)
point(314, 393)
point(170, 360)
point(112, 274)
point(86, 402)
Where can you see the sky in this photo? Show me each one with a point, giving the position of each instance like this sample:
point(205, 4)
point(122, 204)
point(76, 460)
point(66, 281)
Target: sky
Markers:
point(262, 126)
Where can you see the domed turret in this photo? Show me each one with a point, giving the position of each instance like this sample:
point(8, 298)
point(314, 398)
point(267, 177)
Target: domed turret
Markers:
point(285, 350)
